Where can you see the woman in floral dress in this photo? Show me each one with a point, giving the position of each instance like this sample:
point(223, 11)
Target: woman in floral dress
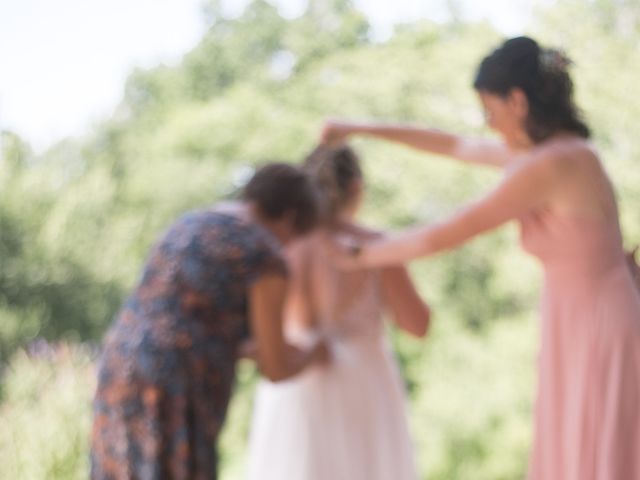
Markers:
point(167, 369)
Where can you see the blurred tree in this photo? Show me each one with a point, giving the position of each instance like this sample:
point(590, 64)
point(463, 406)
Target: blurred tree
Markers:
point(15, 152)
point(76, 222)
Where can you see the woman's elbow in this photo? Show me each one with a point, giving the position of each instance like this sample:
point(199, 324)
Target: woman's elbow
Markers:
point(422, 327)
point(419, 326)
point(421, 330)
point(274, 373)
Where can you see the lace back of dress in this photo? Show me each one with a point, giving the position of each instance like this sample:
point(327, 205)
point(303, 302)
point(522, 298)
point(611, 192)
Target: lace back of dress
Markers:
point(345, 304)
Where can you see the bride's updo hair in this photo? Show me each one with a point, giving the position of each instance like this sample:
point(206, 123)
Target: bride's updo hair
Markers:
point(542, 75)
point(333, 171)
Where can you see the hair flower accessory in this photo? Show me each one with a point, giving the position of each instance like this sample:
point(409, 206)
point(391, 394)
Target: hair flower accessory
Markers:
point(552, 59)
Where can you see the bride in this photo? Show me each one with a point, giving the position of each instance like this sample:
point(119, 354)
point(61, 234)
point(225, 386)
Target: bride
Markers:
point(348, 420)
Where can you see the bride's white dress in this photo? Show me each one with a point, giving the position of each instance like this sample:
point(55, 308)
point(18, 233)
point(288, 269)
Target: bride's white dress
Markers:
point(346, 421)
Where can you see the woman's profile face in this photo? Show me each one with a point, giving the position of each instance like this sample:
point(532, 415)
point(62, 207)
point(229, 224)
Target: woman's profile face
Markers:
point(356, 195)
point(505, 114)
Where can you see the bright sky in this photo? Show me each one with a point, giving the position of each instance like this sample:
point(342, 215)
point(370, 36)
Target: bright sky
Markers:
point(63, 63)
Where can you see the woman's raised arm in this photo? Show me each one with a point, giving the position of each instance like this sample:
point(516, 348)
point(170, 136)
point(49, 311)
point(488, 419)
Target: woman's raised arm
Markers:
point(524, 188)
point(470, 150)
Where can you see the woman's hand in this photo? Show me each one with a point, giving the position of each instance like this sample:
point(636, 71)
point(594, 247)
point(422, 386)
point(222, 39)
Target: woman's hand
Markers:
point(320, 354)
point(345, 252)
point(352, 253)
point(335, 132)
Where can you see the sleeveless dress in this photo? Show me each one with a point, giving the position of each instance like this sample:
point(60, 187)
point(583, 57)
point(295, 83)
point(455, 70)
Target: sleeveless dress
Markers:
point(167, 368)
point(346, 421)
point(587, 417)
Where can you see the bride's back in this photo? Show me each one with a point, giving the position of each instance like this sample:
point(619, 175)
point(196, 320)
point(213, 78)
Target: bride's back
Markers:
point(330, 301)
point(339, 303)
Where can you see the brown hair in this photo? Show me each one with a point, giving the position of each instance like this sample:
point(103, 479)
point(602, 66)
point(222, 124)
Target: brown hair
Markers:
point(333, 170)
point(278, 189)
point(541, 73)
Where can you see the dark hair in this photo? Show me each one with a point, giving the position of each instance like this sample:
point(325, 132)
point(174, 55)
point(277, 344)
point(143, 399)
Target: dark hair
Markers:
point(278, 189)
point(333, 170)
point(543, 77)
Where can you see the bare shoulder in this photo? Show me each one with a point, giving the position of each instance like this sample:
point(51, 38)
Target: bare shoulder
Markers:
point(570, 153)
point(562, 157)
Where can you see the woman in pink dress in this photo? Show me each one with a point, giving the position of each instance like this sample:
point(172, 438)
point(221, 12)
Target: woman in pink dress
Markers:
point(587, 414)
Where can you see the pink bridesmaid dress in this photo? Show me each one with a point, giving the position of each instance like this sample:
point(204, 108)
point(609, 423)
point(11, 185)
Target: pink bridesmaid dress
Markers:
point(587, 418)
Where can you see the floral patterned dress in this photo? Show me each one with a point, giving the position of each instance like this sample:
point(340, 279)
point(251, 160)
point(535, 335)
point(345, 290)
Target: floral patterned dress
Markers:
point(167, 368)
